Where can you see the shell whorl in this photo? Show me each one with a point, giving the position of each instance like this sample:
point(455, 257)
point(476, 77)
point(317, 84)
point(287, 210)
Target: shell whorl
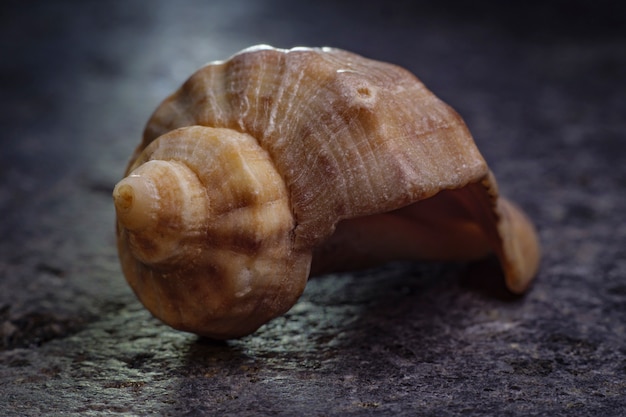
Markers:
point(217, 235)
point(329, 116)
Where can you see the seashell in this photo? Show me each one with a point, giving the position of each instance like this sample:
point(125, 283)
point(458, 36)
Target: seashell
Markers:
point(277, 164)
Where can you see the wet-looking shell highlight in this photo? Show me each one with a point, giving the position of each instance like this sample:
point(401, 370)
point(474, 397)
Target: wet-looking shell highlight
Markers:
point(279, 164)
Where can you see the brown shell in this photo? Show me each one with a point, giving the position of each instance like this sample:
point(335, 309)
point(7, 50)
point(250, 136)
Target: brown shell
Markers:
point(358, 145)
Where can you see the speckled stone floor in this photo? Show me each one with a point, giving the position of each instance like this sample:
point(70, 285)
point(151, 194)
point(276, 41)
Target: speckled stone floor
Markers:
point(542, 88)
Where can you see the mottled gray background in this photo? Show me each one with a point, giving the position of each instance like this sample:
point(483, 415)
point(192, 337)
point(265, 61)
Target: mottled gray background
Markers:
point(542, 86)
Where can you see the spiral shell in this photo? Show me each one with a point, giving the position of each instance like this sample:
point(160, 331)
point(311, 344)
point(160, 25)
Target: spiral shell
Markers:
point(261, 165)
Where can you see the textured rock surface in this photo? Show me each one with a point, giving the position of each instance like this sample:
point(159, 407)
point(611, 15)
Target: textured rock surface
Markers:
point(542, 89)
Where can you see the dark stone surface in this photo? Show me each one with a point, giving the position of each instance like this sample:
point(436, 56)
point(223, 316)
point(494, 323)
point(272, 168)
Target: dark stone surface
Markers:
point(542, 87)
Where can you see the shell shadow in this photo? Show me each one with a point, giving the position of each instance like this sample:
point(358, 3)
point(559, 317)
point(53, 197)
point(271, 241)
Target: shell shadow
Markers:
point(347, 329)
point(418, 312)
point(485, 277)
